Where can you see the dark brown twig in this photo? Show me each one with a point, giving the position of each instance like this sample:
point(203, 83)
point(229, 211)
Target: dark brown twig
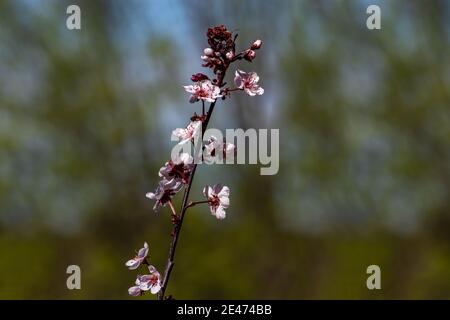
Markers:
point(194, 203)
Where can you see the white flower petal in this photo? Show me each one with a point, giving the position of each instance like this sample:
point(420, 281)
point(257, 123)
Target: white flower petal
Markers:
point(179, 133)
point(254, 78)
point(220, 213)
point(134, 291)
point(155, 288)
point(133, 264)
point(250, 92)
point(259, 91)
point(224, 192)
point(217, 188)
point(210, 192)
point(224, 201)
point(137, 282)
point(142, 253)
point(189, 89)
point(238, 80)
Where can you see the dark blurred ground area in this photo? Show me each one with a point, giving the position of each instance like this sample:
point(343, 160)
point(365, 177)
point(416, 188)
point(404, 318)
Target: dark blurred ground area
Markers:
point(364, 118)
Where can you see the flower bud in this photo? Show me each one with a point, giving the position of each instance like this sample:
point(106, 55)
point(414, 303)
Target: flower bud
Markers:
point(229, 55)
point(249, 55)
point(208, 52)
point(256, 44)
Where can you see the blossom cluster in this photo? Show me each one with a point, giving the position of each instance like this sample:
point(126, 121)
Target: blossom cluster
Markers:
point(178, 172)
point(174, 174)
point(148, 282)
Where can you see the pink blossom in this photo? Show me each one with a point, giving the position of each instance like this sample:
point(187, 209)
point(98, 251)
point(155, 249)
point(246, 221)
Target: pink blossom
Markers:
point(219, 149)
point(203, 90)
point(149, 282)
point(179, 169)
point(248, 82)
point(139, 258)
point(218, 197)
point(190, 132)
point(164, 192)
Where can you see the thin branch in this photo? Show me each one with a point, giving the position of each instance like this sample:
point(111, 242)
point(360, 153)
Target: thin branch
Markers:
point(194, 203)
point(174, 212)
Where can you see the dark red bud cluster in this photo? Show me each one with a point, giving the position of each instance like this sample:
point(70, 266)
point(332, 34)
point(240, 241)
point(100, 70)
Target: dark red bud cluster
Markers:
point(199, 77)
point(221, 48)
point(220, 39)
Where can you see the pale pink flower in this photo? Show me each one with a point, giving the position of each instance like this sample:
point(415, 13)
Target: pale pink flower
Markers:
point(218, 197)
point(248, 82)
point(203, 90)
point(139, 258)
point(149, 282)
point(190, 132)
point(164, 192)
point(179, 169)
point(219, 149)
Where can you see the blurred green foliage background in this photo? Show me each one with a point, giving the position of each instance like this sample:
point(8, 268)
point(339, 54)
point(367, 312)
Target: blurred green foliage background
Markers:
point(364, 119)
